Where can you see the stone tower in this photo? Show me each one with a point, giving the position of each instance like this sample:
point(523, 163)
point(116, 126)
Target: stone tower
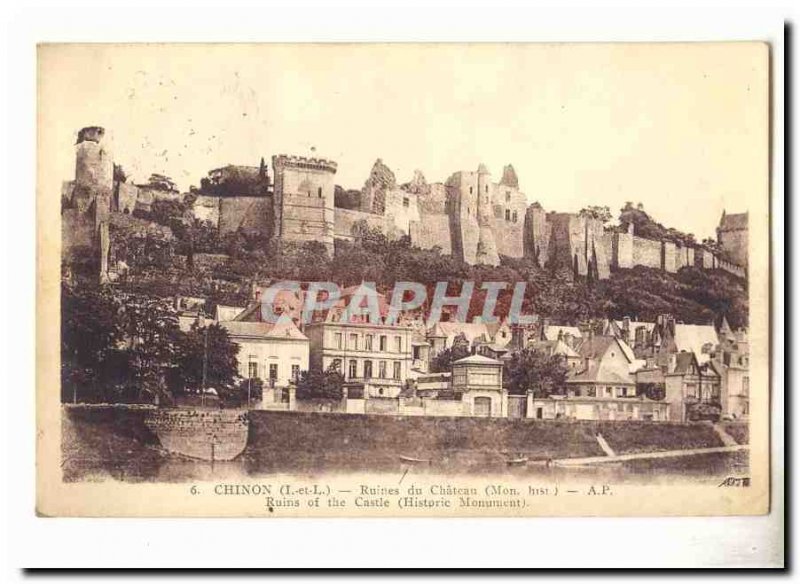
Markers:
point(84, 222)
point(94, 174)
point(304, 199)
point(486, 252)
point(732, 237)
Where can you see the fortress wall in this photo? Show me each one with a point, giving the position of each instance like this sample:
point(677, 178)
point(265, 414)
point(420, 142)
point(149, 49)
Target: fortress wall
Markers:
point(703, 259)
point(623, 250)
point(646, 252)
point(127, 195)
point(77, 233)
point(669, 252)
point(467, 232)
point(435, 200)
point(595, 237)
point(537, 233)
point(401, 208)
point(608, 250)
point(251, 214)
point(207, 208)
point(432, 230)
point(509, 236)
point(565, 239)
point(346, 218)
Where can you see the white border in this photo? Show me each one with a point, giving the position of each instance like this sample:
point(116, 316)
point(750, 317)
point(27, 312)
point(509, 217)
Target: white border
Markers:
point(557, 542)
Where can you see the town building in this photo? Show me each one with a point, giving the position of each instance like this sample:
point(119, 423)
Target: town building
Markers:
point(374, 359)
point(479, 381)
point(275, 353)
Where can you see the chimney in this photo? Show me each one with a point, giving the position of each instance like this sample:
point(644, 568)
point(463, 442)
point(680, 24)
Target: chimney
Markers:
point(626, 324)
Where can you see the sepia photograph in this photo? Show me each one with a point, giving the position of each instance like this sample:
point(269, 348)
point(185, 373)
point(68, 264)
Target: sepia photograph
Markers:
point(389, 280)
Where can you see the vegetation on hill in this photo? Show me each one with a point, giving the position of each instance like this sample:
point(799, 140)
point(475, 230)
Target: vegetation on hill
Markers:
point(180, 266)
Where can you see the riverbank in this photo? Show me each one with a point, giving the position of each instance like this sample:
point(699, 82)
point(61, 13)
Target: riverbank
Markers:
point(102, 441)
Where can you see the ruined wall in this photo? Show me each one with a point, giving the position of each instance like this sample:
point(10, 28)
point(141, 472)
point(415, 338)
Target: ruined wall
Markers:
point(703, 259)
point(250, 214)
point(125, 198)
point(345, 219)
point(537, 233)
point(668, 252)
point(433, 199)
point(401, 209)
point(646, 252)
point(463, 202)
point(509, 208)
point(622, 256)
point(581, 242)
point(206, 208)
point(430, 231)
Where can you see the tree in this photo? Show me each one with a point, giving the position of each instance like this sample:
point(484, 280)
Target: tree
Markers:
point(533, 370)
point(443, 361)
point(90, 336)
point(209, 347)
point(151, 329)
point(316, 384)
point(601, 213)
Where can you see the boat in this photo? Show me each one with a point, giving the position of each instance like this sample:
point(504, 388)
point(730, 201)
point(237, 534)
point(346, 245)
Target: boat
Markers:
point(517, 461)
point(413, 460)
point(204, 434)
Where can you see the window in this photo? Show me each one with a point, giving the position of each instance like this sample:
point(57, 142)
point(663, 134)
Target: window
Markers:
point(745, 385)
point(273, 371)
point(368, 343)
point(382, 344)
point(508, 197)
point(252, 368)
point(405, 201)
point(337, 365)
point(397, 369)
point(398, 344)
point(382, 369)
point(319, 192)
point(470, 190)
point(354, 341)
point(337, 340)
point(352, 370)
point(295, 372)
point(508, 215)
point(367, 369)
point(486, 189)
point(607, 392)
point(514, 217)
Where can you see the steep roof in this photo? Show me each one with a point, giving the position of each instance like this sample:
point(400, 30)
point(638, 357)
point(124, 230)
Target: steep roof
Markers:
point(555, 348)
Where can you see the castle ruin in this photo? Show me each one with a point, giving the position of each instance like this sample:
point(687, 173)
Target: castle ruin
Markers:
point(469, 216)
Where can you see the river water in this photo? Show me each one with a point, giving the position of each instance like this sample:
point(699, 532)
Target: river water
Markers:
point(160, 467)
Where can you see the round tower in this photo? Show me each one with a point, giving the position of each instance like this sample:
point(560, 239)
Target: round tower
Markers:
point(94, 173)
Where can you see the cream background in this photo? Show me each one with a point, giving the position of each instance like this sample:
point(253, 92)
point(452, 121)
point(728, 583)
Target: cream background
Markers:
point(582, 124)
point(732, 541)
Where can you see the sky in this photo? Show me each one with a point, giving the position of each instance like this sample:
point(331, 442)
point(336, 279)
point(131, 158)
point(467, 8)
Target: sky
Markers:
point(681, 128)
